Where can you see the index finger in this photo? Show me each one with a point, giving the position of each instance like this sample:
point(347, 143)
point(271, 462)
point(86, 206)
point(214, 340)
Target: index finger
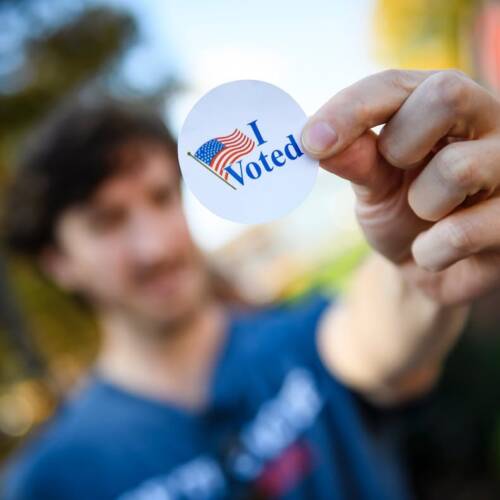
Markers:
point(365, 104)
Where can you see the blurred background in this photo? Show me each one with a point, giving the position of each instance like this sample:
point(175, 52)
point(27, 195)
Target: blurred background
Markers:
point(167, 55)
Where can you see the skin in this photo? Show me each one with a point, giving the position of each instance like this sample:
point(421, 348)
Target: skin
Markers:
point(128, 250)
point(426, 201)
point(427, 187)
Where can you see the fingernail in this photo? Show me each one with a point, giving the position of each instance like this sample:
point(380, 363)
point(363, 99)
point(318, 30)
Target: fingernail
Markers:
point(318, 137)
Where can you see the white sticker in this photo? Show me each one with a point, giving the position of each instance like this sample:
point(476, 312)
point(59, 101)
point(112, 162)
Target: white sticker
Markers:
point(240, 152)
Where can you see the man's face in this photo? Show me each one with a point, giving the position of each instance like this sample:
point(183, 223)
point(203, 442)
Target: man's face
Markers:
point(128, 248)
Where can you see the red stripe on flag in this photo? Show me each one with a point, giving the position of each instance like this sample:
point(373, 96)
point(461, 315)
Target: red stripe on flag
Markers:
point(229, 137)
point(228, 155)
point(240, 153)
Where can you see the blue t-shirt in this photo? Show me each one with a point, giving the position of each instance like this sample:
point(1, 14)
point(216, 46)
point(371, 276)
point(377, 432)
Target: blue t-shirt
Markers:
point(278, 425)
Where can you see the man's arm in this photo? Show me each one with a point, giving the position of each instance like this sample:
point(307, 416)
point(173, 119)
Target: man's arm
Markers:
point(385, 338)
point(428, 202)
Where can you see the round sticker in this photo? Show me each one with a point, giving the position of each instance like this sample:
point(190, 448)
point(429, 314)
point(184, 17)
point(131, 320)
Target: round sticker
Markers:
point(240, 152)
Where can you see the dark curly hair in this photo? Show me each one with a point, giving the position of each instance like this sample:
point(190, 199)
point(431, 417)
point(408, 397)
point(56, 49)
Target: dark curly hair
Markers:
point(66, 161)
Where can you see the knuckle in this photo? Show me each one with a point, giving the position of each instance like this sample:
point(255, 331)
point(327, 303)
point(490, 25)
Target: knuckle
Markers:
point(389, 75)
point(457, 170)
point(398, 78)
point(449, 88)
point(459, 236)
point(389, 151)
point(361, 112)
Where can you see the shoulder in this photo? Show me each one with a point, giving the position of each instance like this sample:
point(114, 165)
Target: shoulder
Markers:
point(280, 336)
point(40, 467)
point(291, 322)
point(299, 312)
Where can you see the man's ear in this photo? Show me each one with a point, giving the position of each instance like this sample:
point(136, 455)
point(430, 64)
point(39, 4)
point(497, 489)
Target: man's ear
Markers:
point(56, 265)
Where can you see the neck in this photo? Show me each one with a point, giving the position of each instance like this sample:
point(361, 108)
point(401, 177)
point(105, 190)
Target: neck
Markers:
point(169, 364)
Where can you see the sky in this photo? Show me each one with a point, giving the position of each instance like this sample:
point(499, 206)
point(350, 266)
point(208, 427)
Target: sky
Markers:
point(311, 49)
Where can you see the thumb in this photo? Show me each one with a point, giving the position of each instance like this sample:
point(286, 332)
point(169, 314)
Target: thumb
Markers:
point(347, 115)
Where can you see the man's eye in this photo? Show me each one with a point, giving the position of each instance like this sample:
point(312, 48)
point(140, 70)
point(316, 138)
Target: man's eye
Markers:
point(107, 221)
point(162, 196)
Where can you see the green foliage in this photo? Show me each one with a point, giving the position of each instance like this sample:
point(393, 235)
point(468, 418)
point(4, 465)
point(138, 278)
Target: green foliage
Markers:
point(52, 55)
point(60, 325)
point(64, 54)
point(58, 63)
point(331, 276)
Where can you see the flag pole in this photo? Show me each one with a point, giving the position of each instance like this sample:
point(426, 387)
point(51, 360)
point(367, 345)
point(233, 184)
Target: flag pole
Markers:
point(210, 170)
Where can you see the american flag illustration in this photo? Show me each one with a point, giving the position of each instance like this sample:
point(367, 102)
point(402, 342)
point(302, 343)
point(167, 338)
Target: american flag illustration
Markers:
point(222, 151)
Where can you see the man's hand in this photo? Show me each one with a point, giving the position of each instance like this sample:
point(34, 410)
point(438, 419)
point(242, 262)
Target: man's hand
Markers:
point(428, 201)
point(427, 186)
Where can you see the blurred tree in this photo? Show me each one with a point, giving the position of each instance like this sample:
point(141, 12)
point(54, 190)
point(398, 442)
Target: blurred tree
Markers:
point(424, 33)
point(453, 447)
point(54, 62)
point(41, 67)
point(50, 51)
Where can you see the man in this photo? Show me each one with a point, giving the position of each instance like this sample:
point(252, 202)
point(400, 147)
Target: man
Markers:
point(193, 399)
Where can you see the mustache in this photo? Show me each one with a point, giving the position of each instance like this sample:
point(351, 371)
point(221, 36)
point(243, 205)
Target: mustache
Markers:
point(145, 273)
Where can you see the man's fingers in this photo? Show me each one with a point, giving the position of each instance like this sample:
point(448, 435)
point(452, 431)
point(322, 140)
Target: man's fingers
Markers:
point(459, 170)
point(470, 278)
point(462, 234)
point(381, 191)
point(446, 103)
point(361, 163)
point(354, 110)
point(463, 281)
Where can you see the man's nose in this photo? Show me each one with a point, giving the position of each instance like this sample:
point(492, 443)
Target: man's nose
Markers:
point(148, 238)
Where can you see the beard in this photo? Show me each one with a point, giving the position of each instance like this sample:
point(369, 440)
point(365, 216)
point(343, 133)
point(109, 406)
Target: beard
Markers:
point(160, 300)
point(170, 314)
